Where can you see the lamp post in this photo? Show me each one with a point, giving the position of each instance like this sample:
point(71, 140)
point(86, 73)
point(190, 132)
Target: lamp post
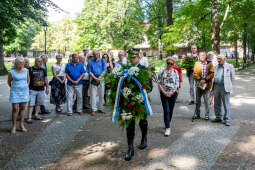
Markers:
point(45, 27)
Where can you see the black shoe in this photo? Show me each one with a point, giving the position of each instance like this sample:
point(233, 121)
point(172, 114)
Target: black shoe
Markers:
point(195, 116)
point(45, 112)
point(191, 103)
point(129, 154)
point(216, 121)
point(143, 144)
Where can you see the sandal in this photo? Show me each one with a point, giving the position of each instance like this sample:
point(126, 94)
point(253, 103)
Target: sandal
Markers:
point(38, 118)
point(29, 121)
point(23, 129)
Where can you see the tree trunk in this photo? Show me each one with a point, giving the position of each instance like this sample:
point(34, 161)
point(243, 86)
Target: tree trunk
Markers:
point(215, 27)
point(236, 51)
point(244, 44)
point(169, 7)
point(3, 70)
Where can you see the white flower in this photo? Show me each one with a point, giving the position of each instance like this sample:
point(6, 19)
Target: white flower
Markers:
point(134, 71)
point(139, 97)
point(126, 92)
point(116, 72)
point(126, 116)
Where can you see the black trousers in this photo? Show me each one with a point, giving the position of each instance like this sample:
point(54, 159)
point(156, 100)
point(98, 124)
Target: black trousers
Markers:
point(85, 89)
point(131, 131)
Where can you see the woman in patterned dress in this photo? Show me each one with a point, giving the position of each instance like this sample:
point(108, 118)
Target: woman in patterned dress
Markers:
point(58, 91)
point(168, 80)
point(18, 82)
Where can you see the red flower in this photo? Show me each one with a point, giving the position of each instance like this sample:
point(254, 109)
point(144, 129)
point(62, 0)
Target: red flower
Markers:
point(144, 86)
point(136, 110)
point(129, 106)
point(116, 87)
point(110, 84)
point(124, 85)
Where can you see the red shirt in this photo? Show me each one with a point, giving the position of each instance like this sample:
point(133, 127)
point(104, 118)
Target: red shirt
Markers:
point(179, 70)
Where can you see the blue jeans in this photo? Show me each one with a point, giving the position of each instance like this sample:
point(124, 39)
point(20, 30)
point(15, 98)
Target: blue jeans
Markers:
point(221, 96)
point(168, 107)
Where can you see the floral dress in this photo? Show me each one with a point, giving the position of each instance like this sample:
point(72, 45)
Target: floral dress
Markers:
point(58, 91)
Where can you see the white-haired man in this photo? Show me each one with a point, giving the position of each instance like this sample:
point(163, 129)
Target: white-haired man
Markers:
point(222, 87)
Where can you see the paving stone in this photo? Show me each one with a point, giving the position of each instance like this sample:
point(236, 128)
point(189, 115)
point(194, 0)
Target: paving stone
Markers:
point(47, 147)
point(198, 148)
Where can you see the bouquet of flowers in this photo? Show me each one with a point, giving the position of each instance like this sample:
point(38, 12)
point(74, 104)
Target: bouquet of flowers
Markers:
point(131, 101)
point(189, 62)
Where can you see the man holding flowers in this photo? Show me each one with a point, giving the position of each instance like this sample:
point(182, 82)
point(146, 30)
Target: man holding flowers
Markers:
point(128, 92)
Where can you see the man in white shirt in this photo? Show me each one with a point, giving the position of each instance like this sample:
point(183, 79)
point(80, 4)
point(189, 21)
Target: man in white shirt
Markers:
point(122, 59)
point(144, 60)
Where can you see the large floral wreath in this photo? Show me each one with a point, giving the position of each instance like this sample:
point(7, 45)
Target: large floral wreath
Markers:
point(133, 103)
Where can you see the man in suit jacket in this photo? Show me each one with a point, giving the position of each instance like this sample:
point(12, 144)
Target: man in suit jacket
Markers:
point(203, 75)
point(222, 87)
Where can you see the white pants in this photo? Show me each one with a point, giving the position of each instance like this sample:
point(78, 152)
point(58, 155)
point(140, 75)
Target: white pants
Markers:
point(94, 89)
point(70, 93)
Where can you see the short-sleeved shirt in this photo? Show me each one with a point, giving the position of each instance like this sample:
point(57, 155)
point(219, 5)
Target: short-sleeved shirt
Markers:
point(74, 72)
point(37, 78)
point(96, 67)
point(60, 70)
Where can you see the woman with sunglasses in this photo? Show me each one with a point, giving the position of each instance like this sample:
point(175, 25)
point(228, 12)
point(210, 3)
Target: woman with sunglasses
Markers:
point(168, 80)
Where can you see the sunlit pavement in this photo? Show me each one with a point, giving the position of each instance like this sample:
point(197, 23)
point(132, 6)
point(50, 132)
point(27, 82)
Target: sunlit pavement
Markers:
point(195, 145)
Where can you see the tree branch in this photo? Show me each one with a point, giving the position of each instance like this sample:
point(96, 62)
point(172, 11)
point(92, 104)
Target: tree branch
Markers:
point(226, 14)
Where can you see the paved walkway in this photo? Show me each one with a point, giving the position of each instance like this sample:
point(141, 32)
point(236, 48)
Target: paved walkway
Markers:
point(200, 145)
point(197, 149)
point(47, 147)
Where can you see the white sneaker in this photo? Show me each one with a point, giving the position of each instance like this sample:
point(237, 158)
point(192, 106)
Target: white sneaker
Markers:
point(167, 132)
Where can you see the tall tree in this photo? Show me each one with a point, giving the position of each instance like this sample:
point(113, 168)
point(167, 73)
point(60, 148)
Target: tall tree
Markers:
point(110, 22)
point(14, 12)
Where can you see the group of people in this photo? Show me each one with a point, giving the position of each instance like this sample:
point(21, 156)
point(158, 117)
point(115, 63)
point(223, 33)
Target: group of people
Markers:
point(210, 78)
point(81, 80)
point(77, 83)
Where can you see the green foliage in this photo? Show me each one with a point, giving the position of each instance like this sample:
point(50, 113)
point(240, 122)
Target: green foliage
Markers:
point(103, 22)
point(129, 104)
point(24, 36)
point(60, 37)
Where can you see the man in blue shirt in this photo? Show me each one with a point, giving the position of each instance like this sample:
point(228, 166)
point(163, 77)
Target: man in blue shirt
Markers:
point(96, 68)
point(74, 73)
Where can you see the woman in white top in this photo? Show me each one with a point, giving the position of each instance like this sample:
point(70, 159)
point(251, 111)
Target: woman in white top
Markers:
point(58, 91)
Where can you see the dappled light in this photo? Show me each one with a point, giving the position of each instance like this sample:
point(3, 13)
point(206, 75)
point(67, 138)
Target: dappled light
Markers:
point(184, 162)
point(248, 146)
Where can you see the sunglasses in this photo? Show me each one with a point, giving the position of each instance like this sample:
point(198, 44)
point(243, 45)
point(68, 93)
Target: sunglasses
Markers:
point(170, 64)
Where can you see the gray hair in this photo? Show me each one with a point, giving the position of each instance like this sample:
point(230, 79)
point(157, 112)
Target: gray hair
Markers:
point(17, 60)
point(26, 60)
point(221, 56)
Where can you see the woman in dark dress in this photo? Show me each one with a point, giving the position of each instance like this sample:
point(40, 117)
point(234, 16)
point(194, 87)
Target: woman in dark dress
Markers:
point(109, 67)
point(58, 92)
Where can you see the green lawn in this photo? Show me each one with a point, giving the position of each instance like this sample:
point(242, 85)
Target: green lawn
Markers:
point(159, 64)
point(51, 61)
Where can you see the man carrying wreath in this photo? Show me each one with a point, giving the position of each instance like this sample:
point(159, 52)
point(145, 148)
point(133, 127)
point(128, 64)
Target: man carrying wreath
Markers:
point(128, 91)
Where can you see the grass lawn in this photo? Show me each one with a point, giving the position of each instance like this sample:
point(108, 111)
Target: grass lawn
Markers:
point(159, 64)
point(51, 61)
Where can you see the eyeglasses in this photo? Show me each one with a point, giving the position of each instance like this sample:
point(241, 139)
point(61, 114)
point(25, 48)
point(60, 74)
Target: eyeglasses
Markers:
point(170, 64)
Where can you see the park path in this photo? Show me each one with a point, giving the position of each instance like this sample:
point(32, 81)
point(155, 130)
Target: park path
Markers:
point(202, 142)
